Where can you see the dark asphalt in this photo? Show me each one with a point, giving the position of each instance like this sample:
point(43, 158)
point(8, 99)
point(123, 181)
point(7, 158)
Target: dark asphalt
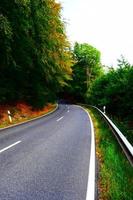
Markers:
point(52, 160)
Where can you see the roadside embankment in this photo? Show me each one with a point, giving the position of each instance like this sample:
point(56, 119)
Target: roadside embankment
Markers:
point(21, 112)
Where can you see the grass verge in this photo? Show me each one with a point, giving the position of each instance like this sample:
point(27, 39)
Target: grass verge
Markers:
point(115, 181)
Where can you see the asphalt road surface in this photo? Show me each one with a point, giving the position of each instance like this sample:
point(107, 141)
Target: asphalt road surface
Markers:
point(46, 159)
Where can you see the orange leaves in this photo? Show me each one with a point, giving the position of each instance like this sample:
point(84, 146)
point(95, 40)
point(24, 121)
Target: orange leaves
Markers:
point(21, 112)
point(56, 7)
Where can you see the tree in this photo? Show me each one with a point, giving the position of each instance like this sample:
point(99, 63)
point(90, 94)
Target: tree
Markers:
point(86, 68)
point(114, 90)
point(35, 51)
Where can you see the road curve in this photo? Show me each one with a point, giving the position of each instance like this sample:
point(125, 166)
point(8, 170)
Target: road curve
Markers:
point(47, 159)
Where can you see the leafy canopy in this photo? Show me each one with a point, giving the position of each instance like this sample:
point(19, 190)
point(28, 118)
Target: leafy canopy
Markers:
point(35, 60)
point(85, 70)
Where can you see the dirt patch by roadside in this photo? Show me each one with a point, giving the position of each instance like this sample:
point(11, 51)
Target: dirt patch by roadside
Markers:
point(21, 112)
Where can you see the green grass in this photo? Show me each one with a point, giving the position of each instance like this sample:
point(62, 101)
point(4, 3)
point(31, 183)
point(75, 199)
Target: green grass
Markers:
point(115, 173)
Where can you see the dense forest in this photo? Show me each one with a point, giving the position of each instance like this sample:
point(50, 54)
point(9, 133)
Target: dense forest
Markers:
point(35, 60)
point(114, 90)
point(37, 64)
point(94, 85)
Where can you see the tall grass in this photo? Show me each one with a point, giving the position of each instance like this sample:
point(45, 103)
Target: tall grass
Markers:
point(115, 180)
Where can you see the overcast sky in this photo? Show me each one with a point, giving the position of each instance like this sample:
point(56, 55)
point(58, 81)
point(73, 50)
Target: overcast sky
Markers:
point(105, 24)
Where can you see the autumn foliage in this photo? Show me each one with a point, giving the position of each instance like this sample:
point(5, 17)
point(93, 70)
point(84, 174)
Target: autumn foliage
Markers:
point(35, 58)
point(22, 112)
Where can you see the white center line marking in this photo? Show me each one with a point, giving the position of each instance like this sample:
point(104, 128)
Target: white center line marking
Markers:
point(68, 111)
point(59, 119)
point(9, 146)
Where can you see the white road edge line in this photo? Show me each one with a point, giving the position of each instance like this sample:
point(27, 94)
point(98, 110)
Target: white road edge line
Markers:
point(90, 194)
point(9, 146)
point(91, 177)
point(59, 119)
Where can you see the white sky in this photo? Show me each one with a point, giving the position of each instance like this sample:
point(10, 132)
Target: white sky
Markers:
point(104, 24)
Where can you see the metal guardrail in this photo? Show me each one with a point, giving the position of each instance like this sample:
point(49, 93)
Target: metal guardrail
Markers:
point(124, 143)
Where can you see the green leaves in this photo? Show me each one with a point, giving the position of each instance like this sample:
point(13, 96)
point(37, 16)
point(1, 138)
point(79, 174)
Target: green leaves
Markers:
point(5, 28)
point(5, 41)
point(86, 69)
point(115, 90)
point(34, 51)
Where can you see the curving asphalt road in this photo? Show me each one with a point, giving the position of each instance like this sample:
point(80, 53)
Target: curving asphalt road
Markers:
point(47, 159)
